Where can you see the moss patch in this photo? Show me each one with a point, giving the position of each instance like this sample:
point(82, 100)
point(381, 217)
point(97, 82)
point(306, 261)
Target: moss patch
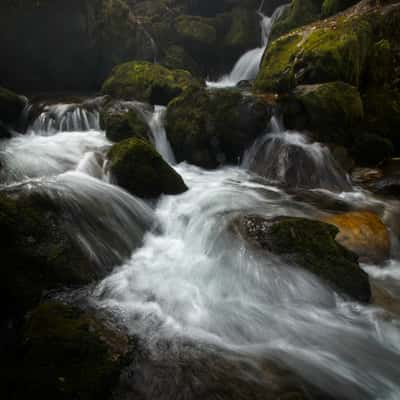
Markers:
point(147, 82)
point(137, 167)
point(312, 246)
point(213, 127)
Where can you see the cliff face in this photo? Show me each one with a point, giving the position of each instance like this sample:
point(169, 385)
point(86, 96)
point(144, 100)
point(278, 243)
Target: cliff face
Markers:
point(73, 44)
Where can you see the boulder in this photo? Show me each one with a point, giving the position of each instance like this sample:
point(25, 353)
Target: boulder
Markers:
point(335, 50)
point(122, 121)
point(38, 252)
point(330, 110)
point(147, 82)
point(67, 353)
point(363, 233)
point(214, 127)
point(137, 167)
point(310, 245)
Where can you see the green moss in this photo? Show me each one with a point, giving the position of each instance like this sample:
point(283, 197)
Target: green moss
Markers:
point(210, 128)
point(68, 354)
point(38, 253)
point(11, 106)
point(330, 110)
point(137, 167)
point(196, 30)
point(300, 13)
point(176, 57)
point(312, 246)
point(123, 125)
point(327, 52)
point(380, 63)
point(148, 82)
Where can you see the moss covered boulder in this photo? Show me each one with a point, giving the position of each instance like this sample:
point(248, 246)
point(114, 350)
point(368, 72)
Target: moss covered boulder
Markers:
point(333, 50)
point(137, 167)
point(11, 106)
point(214, 127)
point(330, 110)
point(310, 245)
point(147, 82)
point(67, 353)
point(363, 233)
point(300, 12)
point(38, 254)
point(121, 123)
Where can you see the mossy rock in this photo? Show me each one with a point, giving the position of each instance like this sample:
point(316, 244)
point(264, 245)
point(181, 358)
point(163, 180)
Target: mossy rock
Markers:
point(214, 127)
point(176, 57)
point(11, 106)
point(299, 13)
point(120, 125)
point(147, 82)
point(137, 167)
point(38, 254)
point(331, 7)
point(67, 353)
point(310, 245)
point(196, 31)
point(330, 110)
point(335, 50)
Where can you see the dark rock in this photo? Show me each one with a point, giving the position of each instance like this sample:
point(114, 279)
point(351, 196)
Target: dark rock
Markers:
point(122, 120)
point(137, 167)
point(214, 127)
point(11, 106)
point(66, 353)
point(312, 246)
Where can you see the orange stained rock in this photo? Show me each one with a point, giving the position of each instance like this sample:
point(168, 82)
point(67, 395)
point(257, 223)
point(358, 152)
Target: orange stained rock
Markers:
point(364, 233)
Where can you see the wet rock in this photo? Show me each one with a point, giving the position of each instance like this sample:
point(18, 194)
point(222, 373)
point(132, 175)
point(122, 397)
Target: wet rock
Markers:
point(329, 110)
point(310, 245)
point(213, 127)
point(38, 253)
point(137, 167)
point(67, 353)
point(122, 120)
point(370, 149)
point(363, 233)
point(201, 373)
point(144, 81)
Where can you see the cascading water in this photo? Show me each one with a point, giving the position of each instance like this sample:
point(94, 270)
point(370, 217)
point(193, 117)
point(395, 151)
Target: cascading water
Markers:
point(246, 68)
point(194, 286)
point(290, 159)
point(65, 118)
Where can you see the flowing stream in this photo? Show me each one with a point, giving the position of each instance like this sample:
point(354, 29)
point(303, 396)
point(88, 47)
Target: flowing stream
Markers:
point(190, 282)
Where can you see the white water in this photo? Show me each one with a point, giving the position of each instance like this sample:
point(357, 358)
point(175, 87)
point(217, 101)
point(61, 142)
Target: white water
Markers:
point(290, 158)
point(247, 67)
point(192, 280)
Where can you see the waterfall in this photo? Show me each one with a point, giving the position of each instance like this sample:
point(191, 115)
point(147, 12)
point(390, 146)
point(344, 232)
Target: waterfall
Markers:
point(247, 67)
point(65, 118)
point(291, 159)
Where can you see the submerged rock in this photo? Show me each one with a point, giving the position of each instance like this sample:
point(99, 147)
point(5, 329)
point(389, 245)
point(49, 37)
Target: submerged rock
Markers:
point(67, 353)
point(310, 245)
point(38, 253)
point(147, 82)
point(137, 167)
point(213, 127)
point(363, 233)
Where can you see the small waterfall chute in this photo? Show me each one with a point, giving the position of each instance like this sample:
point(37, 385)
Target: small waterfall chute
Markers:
point(246, 68)
point(290, 159)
